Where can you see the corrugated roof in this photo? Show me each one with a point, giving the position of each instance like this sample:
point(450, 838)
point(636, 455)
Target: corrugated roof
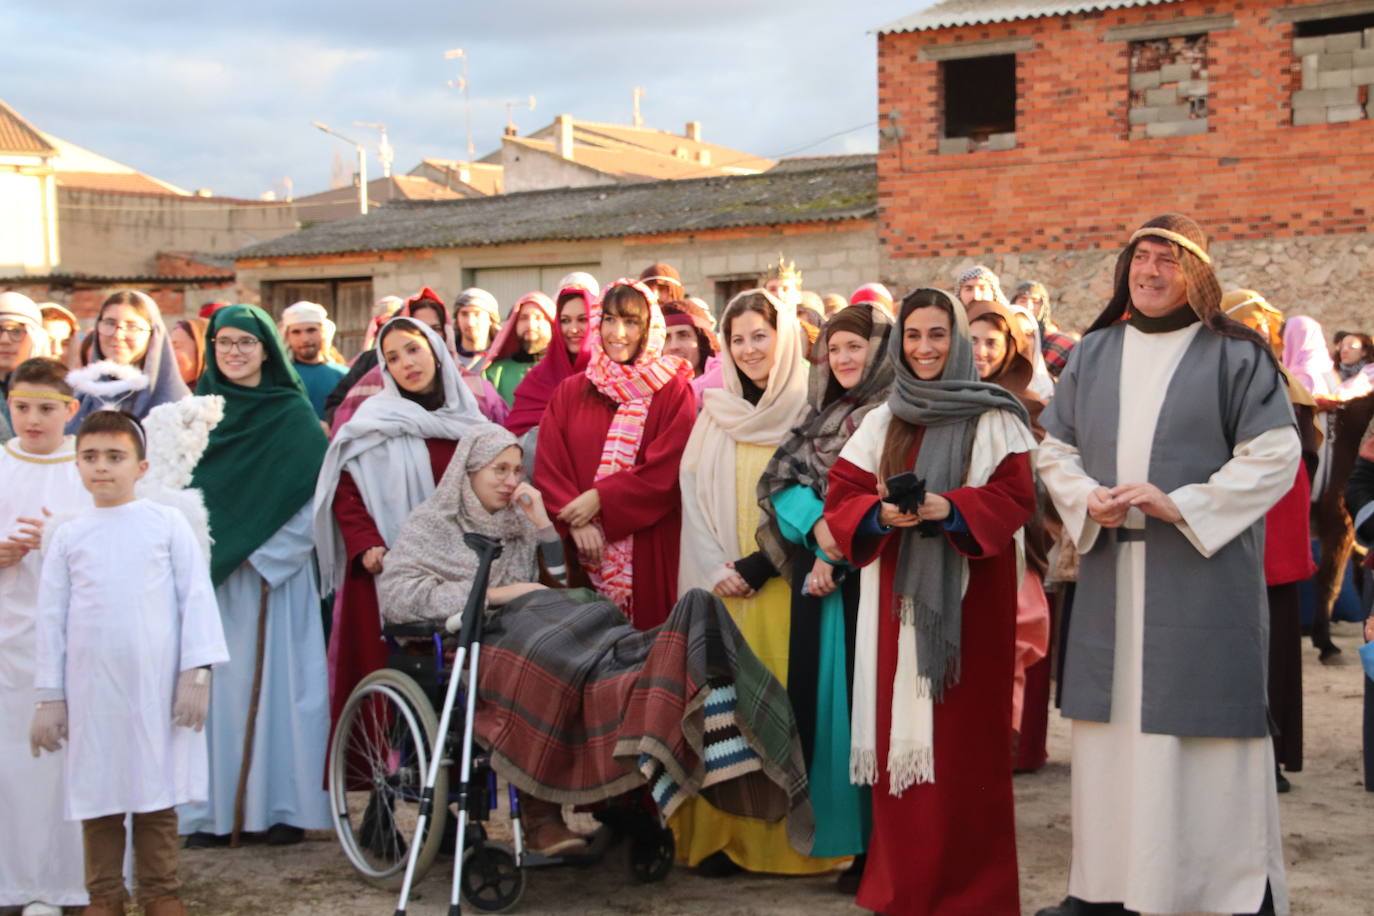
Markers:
point(19, 136)
point(976, 12)
point(825, 193)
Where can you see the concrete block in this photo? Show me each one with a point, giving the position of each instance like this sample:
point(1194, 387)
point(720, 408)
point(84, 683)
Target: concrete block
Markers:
point(1369, 38)
point(1310, 98)
point(1364, 58)
point(1345, 41)
point(950, 145)
point(1311, 71)
point(1305, 46)
point(1148, 79)
point(1342, 60)
point(714, 265)
point(1334, 79)
point(1002, 142)
point(1165, 96)
point(1369, 110)
point(1339, 113)
point(1305, 116)
point(1162, 129)
point(1143, 115)
point(1349, 95)
point(1174, 112)
point(1174, 73)
point(1191, 89)
point(1362, 77)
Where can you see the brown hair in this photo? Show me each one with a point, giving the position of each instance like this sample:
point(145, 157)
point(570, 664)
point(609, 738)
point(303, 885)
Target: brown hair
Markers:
point(125, 297)
point(901, 435)
point(748, 302)
point(626, 302)
point(115, 422)
point(41, 371)
point(432, 398)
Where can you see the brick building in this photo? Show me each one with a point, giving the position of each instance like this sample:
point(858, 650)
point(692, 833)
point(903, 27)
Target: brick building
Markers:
point(1033, 135)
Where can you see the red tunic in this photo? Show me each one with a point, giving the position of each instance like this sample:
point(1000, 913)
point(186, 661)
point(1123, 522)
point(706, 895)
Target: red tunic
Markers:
point(644, 500)
point(1287, 537)
point(948, 848)
point(356, 648)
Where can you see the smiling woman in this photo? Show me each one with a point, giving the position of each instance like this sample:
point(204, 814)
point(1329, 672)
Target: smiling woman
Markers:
point(133, 366)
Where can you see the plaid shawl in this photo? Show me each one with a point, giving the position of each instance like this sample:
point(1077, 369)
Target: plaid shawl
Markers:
point(575, 706)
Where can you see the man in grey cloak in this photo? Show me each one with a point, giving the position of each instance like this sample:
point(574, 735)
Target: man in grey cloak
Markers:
point(1169, 438)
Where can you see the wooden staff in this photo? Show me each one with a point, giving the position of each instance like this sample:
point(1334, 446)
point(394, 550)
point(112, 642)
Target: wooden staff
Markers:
point(240, 796)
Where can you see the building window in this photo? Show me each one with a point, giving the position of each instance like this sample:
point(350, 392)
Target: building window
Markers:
point(1168, 86)
point(1336, 59)
point(979, 103)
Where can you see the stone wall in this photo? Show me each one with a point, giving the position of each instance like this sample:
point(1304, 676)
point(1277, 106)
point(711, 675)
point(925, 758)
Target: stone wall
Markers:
point(1326, 276)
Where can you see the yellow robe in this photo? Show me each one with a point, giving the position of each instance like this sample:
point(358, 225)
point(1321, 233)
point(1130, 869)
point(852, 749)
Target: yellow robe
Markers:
point(765, 620)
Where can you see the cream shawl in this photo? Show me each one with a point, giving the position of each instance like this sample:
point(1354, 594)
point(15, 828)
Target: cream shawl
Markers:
point(710, 514)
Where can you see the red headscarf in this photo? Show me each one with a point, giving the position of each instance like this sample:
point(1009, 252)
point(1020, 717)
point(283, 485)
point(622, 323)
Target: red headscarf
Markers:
point(535, 390)
point(507, 344)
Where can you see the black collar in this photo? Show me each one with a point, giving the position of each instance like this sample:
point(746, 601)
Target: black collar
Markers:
point(1176, 320)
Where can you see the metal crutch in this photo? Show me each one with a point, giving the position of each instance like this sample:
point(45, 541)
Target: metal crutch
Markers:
point(487, 549)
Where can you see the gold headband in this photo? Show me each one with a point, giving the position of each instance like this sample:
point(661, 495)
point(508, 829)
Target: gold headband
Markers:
point(45, 395)
point(1174, 237)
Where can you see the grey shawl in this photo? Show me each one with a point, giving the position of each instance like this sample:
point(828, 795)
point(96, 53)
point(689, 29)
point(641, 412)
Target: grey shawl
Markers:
point(928, 578)
point(428, 571)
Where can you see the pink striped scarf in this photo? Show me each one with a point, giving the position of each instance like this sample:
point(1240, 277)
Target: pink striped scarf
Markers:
point(632, 386)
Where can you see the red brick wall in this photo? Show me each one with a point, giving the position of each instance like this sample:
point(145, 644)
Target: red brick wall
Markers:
point(1075, 182)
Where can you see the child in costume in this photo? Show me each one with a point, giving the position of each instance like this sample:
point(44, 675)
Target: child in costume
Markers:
point(40, 865)
point(127, 631)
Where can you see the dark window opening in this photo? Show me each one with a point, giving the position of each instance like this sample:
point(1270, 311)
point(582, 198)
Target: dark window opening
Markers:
point(1341, 24)
point(980, 96)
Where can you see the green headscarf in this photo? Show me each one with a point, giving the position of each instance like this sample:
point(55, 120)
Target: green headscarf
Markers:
point(263, 457)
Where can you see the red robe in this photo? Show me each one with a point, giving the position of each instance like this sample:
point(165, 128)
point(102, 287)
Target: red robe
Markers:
point(948, 848)
point(644, 500)
point(356, 648)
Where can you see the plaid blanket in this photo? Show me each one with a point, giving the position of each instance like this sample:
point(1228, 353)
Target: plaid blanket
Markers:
point(575, 706)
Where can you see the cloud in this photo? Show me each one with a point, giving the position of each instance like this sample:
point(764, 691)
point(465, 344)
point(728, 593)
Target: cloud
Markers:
point(223, 96)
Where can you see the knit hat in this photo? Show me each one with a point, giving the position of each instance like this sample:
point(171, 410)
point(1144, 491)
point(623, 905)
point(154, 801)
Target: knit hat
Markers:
point(482, 299)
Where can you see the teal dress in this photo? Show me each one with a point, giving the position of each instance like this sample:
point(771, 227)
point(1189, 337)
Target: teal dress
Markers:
point(842, 809)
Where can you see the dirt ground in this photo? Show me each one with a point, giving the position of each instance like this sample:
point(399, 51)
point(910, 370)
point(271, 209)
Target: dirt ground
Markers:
point(1328, 823)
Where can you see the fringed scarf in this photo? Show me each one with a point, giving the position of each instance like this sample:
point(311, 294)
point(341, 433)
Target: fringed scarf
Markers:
point(632, 386)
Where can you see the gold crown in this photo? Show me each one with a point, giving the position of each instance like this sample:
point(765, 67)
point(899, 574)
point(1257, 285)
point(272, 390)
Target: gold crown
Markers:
point(784, 270)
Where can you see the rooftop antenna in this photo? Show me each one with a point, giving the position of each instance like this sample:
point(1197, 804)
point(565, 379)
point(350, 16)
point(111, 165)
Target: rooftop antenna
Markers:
point(385, 155)
point(461, 84)
point(639, 93)
point(510, 113)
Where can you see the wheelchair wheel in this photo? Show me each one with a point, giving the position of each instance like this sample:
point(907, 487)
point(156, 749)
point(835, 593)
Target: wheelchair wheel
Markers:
point(377, 767)
point(493, 881)
point(651, 855)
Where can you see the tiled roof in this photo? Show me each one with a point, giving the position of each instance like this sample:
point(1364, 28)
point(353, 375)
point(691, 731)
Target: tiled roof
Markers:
point(483, 177)
point(976, 12)
point(664, 143)
point(825, 193)
point(133, 182)
point(19, 136)
point(635, 164)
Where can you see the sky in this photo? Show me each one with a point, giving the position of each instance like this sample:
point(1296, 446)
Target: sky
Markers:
point(222, 96)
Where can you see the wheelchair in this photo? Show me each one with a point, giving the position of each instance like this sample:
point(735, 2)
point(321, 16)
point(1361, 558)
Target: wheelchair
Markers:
point(378, 762)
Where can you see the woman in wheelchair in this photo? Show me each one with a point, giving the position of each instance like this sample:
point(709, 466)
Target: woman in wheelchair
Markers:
point(574, 704)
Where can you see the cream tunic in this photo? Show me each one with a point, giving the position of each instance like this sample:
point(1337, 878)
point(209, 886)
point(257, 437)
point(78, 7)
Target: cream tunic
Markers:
point(40, 858)
point(1163, 824)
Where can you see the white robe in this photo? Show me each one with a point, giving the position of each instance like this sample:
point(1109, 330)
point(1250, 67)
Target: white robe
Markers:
point(286, 776)
point(41, 858)
point(1165, 824)
point(125, 605)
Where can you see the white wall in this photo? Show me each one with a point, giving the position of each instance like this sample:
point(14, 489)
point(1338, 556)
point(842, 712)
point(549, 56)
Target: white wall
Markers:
point(27, 234)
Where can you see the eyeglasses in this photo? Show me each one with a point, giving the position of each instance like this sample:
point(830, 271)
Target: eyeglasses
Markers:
point(109, 327)
point(231, 344)
point(508, 471)
point(13, 332)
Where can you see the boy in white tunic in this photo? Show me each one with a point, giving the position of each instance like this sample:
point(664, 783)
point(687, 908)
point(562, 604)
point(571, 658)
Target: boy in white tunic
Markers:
point(127, 631)
point(40, 865)
point(1169, 438)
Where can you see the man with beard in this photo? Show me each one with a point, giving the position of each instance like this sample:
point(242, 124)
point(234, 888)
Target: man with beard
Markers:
point(522, 342)
point(309, 335)
point(1169, 438)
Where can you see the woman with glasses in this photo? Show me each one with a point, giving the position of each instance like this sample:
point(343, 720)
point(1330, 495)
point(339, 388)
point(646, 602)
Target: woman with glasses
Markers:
point(257, 475)
point(382, 463)
point(132, 365)
point(609, 447)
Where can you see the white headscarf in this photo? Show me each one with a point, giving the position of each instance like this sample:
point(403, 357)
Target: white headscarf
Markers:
point(309, 313)
point(1041, 383)
point(710, 513)
point(20, 308)
point(382, 447)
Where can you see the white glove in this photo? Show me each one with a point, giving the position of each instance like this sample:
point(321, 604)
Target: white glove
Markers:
point(192, 699)
point(49, 726)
